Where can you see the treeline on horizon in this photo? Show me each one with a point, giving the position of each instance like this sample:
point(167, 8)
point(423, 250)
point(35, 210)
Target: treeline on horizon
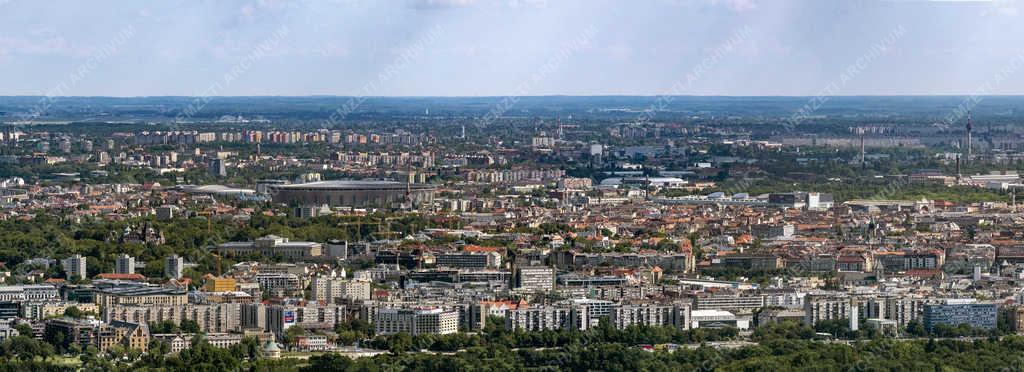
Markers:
point(600, 106)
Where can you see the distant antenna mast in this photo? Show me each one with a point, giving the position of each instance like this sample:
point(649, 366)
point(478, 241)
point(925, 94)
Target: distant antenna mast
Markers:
point(969, 142)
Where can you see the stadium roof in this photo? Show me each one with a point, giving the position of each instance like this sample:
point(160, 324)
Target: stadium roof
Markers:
point(351, 185)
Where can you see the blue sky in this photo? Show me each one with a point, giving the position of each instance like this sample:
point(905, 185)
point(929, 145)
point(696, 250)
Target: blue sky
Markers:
point(495, 48)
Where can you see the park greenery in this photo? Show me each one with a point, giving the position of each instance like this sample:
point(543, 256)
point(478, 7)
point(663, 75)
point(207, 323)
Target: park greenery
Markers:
point(495, 334)
point(780, 347)
point(48, 235)
point(772, 354)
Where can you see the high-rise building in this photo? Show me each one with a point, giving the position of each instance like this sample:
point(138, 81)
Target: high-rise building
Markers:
point(330, 290)
point(548, 318)
point(535, 278)
point(125, 264)
point(165, 212)
point(651, 315)
point(337, 249)
point(826, 307)
point(416, 321)
point(279, 318)
point(74, 266)
point(174, 266)
point(468, 260)
point(957, 312)
point(254, 316)
point(103, 158)
point(217, 168)
point(596, 153)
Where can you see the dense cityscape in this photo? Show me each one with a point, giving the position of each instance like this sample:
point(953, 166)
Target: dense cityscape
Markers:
point(287, 245)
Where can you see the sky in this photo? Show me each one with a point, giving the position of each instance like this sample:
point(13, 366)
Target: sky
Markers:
point(510, 47)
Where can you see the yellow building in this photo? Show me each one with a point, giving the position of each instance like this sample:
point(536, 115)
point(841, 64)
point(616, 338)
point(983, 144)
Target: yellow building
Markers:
point(44, 310)
point(1015, 317)
point(129, 335)
point(102, 335)
point(214, 284)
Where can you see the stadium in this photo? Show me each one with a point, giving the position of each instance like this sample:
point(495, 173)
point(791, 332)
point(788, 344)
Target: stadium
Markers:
point(356, 194)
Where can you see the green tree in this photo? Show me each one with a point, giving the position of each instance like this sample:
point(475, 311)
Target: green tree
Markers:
point(73, 312)
point(190, 326)
point(292, 333)
point(24, 329)
point(399, 343)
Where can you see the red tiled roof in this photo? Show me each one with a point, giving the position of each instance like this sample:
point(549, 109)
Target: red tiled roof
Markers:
point(477, 248)
point(115, 276)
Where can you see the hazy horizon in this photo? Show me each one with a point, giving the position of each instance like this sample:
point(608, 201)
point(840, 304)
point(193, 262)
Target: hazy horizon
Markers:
point(962, 95)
